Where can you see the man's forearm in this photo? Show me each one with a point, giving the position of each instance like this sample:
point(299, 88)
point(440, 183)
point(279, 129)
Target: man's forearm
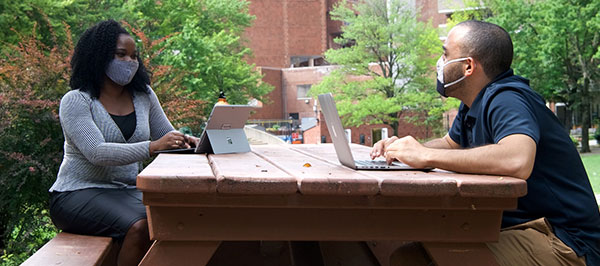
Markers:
point(514, 155)
point(514, 160)
point(437, 144)
point(441, 143)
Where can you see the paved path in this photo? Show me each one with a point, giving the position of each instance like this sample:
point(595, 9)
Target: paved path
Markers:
point(595, 149)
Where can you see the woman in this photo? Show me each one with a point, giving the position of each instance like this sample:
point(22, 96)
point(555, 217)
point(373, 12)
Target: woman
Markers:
point(111, 121)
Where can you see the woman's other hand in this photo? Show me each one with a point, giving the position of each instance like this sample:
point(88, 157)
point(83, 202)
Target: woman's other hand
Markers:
point(191, 140)
point(171, 140)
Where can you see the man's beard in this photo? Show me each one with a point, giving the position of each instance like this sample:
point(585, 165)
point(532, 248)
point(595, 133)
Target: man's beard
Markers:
point(452, 75)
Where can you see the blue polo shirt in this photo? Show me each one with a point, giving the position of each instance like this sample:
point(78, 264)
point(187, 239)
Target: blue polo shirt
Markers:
point(558, 187)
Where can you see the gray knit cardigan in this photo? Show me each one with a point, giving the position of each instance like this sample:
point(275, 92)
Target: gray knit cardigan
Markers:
point(96, 155)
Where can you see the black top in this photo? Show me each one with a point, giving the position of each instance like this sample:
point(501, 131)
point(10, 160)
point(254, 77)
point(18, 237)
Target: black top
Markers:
point(126, 124)
point(558, 187)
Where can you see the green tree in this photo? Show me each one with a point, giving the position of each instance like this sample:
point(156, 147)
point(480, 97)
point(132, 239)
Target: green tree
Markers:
point(388, 66)
point(470, 9)
point(208, 51)
point(17, 18)
point(34, 74)
point(557, 47)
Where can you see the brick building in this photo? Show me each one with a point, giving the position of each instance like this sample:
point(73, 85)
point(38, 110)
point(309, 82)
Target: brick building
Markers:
point(288, 39)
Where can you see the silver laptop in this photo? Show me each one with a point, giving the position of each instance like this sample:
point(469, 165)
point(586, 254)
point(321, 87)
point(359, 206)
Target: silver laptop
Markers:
point(340, 142)
point(224, 131)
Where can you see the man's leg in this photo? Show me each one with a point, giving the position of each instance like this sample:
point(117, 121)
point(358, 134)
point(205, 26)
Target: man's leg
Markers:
point(532, 243)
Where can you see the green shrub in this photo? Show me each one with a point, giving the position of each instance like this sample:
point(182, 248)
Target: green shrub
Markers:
point(575, 141)
point(32, 80)
point(32, 236)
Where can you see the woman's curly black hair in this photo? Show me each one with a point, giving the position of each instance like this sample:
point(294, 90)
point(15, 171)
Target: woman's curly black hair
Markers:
point(94, 50)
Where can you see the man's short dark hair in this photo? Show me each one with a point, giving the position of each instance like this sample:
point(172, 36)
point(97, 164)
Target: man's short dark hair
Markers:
point(490, 44)
point(94, 50)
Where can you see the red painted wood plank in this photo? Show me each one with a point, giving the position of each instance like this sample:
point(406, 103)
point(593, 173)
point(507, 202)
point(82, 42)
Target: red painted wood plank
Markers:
point(465, 254)
point(437, 182)
point(490, 186)
point(70, 249)
point(391, 183)
point(231, 223)
point(183, 173)
point(247, 173)
point(316, 176)
point(180, 253)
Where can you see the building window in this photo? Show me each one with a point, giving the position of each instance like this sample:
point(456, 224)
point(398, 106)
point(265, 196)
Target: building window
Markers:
point(307, 61)
point(376, 134)
point(362, 139)
point(384, 133)
point(302, 91)
point(323, 139)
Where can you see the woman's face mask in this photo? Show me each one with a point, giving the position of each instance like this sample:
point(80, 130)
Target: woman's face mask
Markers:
point(441, 86)
point(121, 71)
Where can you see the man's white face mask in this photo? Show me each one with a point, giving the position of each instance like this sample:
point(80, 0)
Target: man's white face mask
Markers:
point(441, 86)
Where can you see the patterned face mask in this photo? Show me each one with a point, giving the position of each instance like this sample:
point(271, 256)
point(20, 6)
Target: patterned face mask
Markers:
point(121, 71)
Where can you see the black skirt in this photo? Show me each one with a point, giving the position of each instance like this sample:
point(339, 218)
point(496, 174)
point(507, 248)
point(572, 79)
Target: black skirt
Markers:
point(97, 211)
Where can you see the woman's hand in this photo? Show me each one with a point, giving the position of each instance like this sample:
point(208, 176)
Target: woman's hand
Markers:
point(191, 141)
point(171, 140)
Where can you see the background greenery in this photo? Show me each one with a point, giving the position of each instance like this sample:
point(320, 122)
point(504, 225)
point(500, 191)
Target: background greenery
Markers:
point(397, 52)
point(556, 46)
point(592, 167)
point(193, 48)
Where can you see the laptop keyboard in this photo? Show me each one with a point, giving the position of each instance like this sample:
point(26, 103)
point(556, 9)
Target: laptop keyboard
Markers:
point(377, 164)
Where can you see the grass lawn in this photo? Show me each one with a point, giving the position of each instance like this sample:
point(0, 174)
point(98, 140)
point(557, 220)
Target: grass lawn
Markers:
point(592, 166)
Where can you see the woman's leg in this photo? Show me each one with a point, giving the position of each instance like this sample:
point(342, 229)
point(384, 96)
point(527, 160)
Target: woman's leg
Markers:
point(135, 245)
point(118, 213)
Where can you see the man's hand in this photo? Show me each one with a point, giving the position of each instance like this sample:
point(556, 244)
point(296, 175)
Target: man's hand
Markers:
point(381, 146)
point(409, 151)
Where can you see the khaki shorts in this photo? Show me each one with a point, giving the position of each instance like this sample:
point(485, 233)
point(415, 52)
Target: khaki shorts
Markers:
point(532, 243)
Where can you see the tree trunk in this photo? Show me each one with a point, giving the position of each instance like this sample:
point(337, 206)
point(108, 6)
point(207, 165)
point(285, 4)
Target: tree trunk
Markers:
point(585, 119)
point(585, 125)
point(394, 125)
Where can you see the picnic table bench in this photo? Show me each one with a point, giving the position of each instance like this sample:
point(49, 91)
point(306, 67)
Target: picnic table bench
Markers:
point(67, 249)
point(302, 193)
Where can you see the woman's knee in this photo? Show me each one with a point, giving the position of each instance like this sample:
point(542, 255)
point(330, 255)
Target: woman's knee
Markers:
point(139, 229)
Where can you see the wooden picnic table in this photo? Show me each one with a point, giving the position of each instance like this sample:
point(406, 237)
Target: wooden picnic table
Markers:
point(302, 192)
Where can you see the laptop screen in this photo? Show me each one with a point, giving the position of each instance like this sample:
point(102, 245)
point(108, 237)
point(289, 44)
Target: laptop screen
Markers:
point(336, 130)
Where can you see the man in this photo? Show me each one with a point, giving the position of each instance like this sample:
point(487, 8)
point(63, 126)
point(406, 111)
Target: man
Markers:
point(504, 128)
